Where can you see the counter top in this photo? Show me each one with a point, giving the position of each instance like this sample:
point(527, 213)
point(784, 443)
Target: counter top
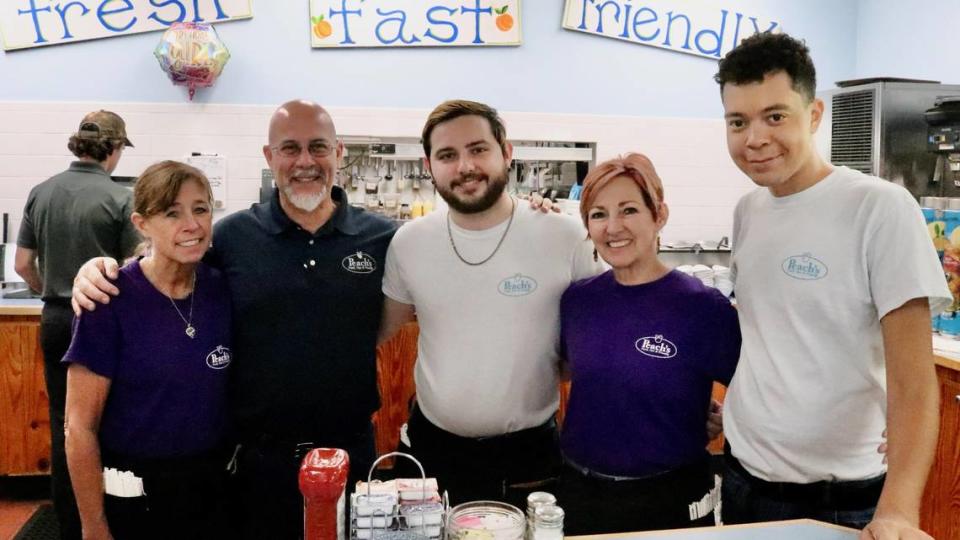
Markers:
point(800, 529)
point(946, 352)
point(12, 306)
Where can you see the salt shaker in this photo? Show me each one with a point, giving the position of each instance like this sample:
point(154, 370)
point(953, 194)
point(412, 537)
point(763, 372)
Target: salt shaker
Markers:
point(536, 500)
point(548, 523)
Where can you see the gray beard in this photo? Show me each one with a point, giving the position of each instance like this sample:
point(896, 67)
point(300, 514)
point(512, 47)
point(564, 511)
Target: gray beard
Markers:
point(307, 203)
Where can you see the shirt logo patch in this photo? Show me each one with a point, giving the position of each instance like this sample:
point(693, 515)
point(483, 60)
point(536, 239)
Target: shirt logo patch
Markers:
point(518, 285)
point(359, 263)
point(656, 346)
point(805, 267)
point(219, 358)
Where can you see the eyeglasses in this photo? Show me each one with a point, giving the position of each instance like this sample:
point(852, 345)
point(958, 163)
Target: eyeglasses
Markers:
point(292, 149)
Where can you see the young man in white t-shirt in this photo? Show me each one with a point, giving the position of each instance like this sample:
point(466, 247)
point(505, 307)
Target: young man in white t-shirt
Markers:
point(835, 278)
point(485, 277)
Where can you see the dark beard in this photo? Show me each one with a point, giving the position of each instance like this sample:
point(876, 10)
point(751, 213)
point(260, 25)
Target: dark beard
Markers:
point(495, 187)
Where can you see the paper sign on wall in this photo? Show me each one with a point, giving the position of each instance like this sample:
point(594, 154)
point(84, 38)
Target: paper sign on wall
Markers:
point(414, 23)
point(698, 27)
point(215, 168)
point(36, 23)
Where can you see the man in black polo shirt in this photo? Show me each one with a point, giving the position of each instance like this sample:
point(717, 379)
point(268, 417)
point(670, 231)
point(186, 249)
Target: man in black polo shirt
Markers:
point(305, 274)
point(77, 214)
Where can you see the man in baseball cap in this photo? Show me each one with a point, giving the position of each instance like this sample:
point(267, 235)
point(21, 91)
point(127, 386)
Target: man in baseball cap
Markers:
point(74, 216)
point(104, 125)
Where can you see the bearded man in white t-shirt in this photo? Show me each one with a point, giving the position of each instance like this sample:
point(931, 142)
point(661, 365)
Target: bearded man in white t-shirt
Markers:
point(485, 278)
point(835, 280)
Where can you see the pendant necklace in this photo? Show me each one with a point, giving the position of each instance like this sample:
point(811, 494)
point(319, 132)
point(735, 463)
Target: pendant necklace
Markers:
point(513, 207)
point(190, 331)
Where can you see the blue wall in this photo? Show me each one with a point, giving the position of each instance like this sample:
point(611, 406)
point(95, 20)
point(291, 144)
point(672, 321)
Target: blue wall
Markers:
point(927, 49)
point(555, 70)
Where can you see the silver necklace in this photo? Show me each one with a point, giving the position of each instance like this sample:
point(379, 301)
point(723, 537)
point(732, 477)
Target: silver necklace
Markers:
point(513, 206)
point(190, 331)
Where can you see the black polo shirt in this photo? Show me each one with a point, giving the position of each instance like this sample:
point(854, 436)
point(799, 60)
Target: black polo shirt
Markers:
point(306, 309)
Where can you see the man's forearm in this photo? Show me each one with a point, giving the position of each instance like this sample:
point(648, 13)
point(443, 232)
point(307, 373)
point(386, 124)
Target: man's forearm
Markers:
point(912, 409)
point(913, 425)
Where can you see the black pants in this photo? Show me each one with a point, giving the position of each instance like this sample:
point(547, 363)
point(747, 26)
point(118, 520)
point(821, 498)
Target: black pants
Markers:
point(505, 468)
point(748, 499)
point(268, 503)
point(185, 499)
point(56, 321)
point(601, 506)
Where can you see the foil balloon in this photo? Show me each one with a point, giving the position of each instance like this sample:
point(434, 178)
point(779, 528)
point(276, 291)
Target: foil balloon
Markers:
point(192, 55)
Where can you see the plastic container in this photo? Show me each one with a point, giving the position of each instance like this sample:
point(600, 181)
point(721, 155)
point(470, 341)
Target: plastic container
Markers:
point(323, 482)
point(485, 520)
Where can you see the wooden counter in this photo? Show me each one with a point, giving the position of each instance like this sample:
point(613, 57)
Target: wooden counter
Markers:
point(24, 418)
point(940, 512)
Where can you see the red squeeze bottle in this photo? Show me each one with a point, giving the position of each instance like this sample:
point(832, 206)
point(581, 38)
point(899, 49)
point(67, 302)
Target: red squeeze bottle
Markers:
point(323, 482)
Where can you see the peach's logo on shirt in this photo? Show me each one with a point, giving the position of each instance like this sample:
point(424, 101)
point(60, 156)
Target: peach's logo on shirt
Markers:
point(219, 358)
point(359, 263)
point(805, 267)
point(656, 346)
point(517, 285)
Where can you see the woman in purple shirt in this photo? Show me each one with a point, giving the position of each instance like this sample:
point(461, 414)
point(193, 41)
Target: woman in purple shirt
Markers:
point(644, 345)
point(146, 386)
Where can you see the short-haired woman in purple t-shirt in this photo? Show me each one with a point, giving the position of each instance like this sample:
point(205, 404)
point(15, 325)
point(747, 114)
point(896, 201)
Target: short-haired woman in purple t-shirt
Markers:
point(146, 386)
point(644, 345)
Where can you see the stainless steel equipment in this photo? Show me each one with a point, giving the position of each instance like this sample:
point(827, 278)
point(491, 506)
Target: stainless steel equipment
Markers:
point(877, 126)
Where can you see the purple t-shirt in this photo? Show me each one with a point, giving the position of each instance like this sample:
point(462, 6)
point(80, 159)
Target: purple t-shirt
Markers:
point(167, 391)
point(643, 360)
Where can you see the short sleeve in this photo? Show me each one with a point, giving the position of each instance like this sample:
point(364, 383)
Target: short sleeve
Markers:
point(902, 263)
point(26, 236)
point(584, 265)
point(722, 346)
point(394, 284)
point(96, 341)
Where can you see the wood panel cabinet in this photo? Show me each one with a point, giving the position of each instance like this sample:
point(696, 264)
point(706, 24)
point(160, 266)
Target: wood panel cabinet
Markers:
point(940, 512)
point(24, 417)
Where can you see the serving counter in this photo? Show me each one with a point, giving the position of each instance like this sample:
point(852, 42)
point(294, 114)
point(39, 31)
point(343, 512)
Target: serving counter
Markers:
point(25, 438)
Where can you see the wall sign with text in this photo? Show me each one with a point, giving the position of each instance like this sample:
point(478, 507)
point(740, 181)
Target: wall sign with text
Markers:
point(699, 27)
point(35, 23)
point(414, 23)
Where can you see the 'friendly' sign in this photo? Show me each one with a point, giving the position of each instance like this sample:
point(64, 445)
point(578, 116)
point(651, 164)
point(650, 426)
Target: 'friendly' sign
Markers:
point(699, 27)
point(414, 23)
point(35, 23)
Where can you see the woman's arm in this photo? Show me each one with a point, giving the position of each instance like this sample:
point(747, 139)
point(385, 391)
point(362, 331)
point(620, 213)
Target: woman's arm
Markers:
point(86, 397)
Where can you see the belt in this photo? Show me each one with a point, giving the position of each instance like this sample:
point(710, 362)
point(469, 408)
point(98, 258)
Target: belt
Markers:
point(457, 441)
point(591, 474)
point(841, 495)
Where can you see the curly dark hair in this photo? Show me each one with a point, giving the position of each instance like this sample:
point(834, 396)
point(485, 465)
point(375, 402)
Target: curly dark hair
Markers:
point(97, 149)
point(765, 53)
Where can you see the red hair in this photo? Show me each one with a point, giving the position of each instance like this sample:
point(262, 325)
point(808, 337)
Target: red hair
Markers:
point(634, 166)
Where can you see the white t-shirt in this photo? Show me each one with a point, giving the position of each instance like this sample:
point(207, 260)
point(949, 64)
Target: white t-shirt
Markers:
point(814, 273)
point(487, 356)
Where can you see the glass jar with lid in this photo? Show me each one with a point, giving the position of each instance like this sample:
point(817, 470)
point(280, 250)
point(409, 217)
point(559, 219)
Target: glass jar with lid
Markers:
point(485, 520)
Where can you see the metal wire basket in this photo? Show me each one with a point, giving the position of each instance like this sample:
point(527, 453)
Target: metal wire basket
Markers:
point(394, 524)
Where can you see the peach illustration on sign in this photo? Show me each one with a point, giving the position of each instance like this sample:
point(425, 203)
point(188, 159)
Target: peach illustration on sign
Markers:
point(504, 20)
point(321, 28)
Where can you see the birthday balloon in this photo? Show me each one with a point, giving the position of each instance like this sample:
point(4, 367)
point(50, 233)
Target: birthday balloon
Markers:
point(192, 55)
